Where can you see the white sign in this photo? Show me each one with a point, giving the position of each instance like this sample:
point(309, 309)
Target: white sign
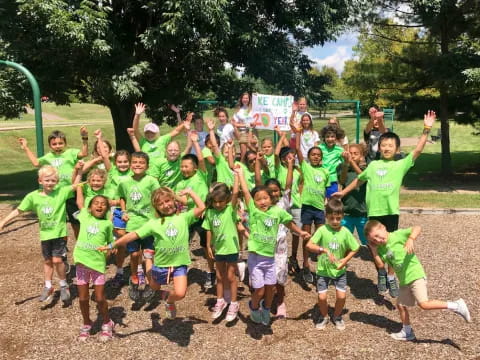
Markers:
point(269, 111)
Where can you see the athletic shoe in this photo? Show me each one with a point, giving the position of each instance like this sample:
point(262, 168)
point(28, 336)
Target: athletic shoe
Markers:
point(210, 280)
point(322, 324)
point(64, 293)
point(241, 270)
point(339, 323)
point(232, 311)
point(382, 283)
point(282, 311)
point(141, 280)
point(220, 305)
point(307, 275)
point(265, 316)
point(133, 292)
point(403, 336)
point(393, 288)
point(47, 294)
point(107, 331)
point(171, 311)
point(148, 294)
point(293, 267)
point(117, 281)
point(84, 332)
point(255, 315)
point(462, 310)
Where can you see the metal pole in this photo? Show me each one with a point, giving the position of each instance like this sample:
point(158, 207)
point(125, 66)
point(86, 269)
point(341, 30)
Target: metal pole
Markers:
point(357, 108)
point(37, 104)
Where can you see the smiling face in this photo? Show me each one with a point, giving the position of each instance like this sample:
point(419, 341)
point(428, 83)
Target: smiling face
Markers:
point(335, 221)
point(388, 149)
point(378, 235)
point(173, 151)
point(222, 117)
point(150, 135)
point(48, 182)
point(306, 122)
point(330, 139)
point(262, 200)
point(276, 192)
point(315, 156)
point(245, 100)
point(302, 105)
point(187, 168)
point(96, 182)
point(102, 147)
point(122, 163)
point(165, 205)
point(99, 207)
point(57, 145)
point(139, 165)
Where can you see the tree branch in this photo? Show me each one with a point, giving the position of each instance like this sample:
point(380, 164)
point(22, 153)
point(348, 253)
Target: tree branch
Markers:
point(402, 41)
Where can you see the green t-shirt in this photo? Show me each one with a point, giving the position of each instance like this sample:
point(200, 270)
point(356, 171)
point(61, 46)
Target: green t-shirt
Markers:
point(315, 180)
point(282, 172)
point(264, 228)
point(331, 158)
point(249, 176)
point(407, 266)
point(115, 177)
point(384, 179)
point(171, 238)
point(167, 172)
point(137, 195)
point(197, 183)
point(157, 147)
point(339, 243)
point(64, 163)
point(224, 173)
point(50, 209)
point(206, 152)
point(93, 234)
point(270, 159)
point(89, 193)
point(223, 225)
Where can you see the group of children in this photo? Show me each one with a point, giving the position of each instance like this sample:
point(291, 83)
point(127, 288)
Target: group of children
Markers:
point(148, 204)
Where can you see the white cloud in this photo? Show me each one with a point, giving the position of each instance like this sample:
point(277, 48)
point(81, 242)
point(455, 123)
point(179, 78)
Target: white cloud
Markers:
point(336, 60)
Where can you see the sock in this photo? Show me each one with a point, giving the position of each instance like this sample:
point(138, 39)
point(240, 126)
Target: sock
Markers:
point(452, 305)
point(63, 283)
point(220, 300)
point(120, 270)
point(48, 284)
point(391, 277)
point(407, 329)
point(140, 268)
point(234, 303)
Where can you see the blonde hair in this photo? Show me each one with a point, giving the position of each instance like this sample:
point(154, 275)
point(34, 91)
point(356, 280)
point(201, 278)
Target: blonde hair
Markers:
point(369, 226)
point(160, 192)
point(97, 172)
point(47, 170)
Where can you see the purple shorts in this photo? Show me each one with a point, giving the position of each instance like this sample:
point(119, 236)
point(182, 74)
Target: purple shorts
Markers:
point(86, 275)
point(261, 270)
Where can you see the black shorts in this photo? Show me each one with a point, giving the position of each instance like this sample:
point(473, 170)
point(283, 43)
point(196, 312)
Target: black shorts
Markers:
point(197, 227)
point(389, 221)
point(72, 208)
point(54, 248)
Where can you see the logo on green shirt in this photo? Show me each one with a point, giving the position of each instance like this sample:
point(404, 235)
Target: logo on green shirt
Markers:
point(171, 231)
point(381, 173)
point(318, 178)
point(269, 222)
point(57, 162)
point(92, 230)
point(170, 172)
point(216, 221)
point(47, 210)
point(135, 195)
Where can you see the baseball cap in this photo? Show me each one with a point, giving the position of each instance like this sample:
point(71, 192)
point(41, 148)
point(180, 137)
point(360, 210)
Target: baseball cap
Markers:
point(152, 127)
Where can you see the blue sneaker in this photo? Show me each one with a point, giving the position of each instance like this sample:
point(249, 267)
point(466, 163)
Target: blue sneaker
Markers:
point(255, 315)
point(265, 314)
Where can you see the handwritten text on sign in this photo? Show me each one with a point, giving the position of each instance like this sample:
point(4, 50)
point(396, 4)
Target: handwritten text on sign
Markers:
point(269, 111)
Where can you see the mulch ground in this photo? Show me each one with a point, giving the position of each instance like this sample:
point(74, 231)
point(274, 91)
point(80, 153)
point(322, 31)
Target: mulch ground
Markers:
point(447, 249)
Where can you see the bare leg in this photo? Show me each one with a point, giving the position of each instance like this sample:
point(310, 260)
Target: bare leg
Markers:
point(48, 269)
point(307, 228)
point(231, 280)
point(59, 267)
point(433, 305)
point(404, 316)
point(322, 304)
point(84, 300)
point(102, 302)
point(179, 289)
point(222, 281)
point(256, 297)
point(280, 293)
point(339, 303)
point(269, 289)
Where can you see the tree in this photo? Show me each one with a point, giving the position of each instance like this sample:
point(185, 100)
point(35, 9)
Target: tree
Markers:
point(115, 53)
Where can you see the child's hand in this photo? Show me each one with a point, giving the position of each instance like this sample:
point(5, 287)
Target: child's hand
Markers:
point(98, 134)
point(125, 217)
point(260, 155)
point(174, 108)
point(429, 118)
point(83, 131)
point(341, 264)
point(409, 247)
point(346, 156)
point(291, 161)
point(185, 192)
point(79, 165)
point(210, 253)
point(23, 143)
point(338, 194)
point(194, 136)
point(238, 170)
point(210, 124)
point(305, 235)
point(103, 248)
point(139, 108)
point(294, 106)
point(131, 132)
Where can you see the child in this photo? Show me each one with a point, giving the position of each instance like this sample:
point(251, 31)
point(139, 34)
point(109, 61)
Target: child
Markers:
point(264, 221)
point(384, 178)
point(342, 139)
point(96, 180)
point(331, 156)
point(152, 143)
point(222, 244)
point(269, 156)
point(95, 231)
point(335, 246)
point(198, 128)
point(354, 203)
point(241, 121)
point(64, 161)
point(223, 162)
point(315, 181)
point(374, 129)
point(49, 205)
point(208, 156)
point(172, 253)
point(308, 137)
point(135, 194)
point(397, 249)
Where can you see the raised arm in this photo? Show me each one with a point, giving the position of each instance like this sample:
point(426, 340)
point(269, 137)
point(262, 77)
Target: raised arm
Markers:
point(176, 110)
point(297, 147)
point(80, 197)
point(258, 169)
point(199, 204)
point(243, 185)
point(428, 121)
point(213, 139)
point(236, 185)
point(289, 181)
point(77, 174)
point(133, 139)
point(31, 156)
point(198, 150)
point(183, 125)
point(139, 110)
point(101, 150)
point(84, 150)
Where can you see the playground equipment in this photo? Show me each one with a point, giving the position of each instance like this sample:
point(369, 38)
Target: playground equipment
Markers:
point(389, 116)
point(37, 104)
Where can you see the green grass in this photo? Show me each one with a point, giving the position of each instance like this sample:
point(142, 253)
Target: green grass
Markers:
point(441, 200)
point(17, 176)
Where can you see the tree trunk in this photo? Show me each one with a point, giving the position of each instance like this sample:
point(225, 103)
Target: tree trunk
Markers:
point(445, 130)
point(122, 115)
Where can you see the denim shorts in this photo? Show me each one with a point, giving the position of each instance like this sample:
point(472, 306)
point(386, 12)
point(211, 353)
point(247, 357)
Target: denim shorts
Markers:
point(140, 244)
point(118, 223)
point(230, 258)
point(339, 282)
point(54, 248)
point(311, 214)
point(162, 275)
point(333, 188)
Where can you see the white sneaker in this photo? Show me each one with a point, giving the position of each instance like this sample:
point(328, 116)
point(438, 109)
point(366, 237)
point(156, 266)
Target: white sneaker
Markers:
point(322, 324)
point(220, 305)
point(403, 336)
point(462, 310)
point(339, 323)
point(232, 311)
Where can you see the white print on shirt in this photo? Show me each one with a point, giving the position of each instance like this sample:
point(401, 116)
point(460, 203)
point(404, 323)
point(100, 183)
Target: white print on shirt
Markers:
point(92, 230)
point(216, 221)
point(171, 232)
point(47, 210)
point(318, 178)
point(57, 162)
point(135, 195)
